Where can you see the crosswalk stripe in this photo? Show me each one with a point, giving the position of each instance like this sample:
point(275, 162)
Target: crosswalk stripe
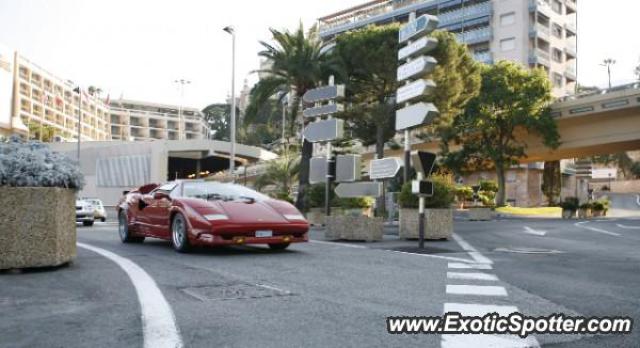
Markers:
point(471, 276)
point(459, 265)
point(481, 340)
point(479, 310)
point(479, 290)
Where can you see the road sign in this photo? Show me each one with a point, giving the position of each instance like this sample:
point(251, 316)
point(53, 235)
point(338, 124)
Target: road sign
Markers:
point(423, 161)
point(323, 93)
point(348, 168)
point(318, 170)
point(384, 168)
point(418, 66)
point(422, 188)
point(326, 130)
point(327, 109)
point(420, 46)
point(414, 89)
point(359, 189)
point(415, 115)
point(423, 24)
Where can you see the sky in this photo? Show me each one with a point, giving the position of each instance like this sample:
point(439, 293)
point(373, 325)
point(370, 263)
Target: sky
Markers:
point(138, 48)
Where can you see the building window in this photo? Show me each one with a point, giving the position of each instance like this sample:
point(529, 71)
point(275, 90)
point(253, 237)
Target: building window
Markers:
point(507, 19)
point(556, 6)
point(556, 30)
point(556, 54)
point(557, 80)
point(508, 44)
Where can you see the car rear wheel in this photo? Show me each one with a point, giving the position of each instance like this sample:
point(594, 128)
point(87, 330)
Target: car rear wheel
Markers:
point(123, 230)
point(179, 237)
point(280, 246)
point(87, 223)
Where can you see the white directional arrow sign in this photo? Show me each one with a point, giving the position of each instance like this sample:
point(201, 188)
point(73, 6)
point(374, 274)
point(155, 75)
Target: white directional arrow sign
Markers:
point(415, 115)
point(414, 89)
point(420, 46)
point(323, 93)
point(359, 189)
point(326, 130)
point(322, 110)
point(418, 66)
point(384, 168)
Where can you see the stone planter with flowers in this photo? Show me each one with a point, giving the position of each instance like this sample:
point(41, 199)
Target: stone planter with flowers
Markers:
point(37, 195)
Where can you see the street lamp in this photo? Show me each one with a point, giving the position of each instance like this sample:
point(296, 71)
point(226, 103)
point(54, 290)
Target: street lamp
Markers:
point(79, 91)
point(181, 82)
point(608, 63)
point(232, 156)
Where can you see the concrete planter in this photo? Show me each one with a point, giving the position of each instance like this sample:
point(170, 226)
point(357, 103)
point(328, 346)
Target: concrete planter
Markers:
point(480, 214)
point(315, 216)
point(568, 214)
point(438, 223)
point(598, 213)
point(584, 213)
point(38, 227)
point(353, 227)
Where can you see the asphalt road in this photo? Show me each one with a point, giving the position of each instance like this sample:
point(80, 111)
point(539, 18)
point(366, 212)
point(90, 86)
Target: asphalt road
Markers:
point(324, 294)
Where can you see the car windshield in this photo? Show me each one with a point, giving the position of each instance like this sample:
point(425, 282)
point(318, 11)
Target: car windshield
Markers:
point(221, 191)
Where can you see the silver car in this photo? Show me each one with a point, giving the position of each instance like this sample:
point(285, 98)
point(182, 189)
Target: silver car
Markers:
point(85, 212)
point(99, 212)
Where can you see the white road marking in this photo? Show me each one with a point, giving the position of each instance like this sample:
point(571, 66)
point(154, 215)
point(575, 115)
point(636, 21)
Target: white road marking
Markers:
point(158, 321)
point(274, 289)
point(473, 252)
point(478, 310)
point(456, 265)
point(450, 258)
point(594, 229)
point(472, 276)
point(338, 244)
point(628, 227)
point(478, 290)
point(530, 230)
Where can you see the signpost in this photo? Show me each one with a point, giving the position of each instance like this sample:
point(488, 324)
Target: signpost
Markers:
point(323, 131)
point(423, 162)
point(415, 115)
point(348, 168)
point(413, 90)
point(420, 46)
point(359, 189)
point(418, 66)
point(384, 168)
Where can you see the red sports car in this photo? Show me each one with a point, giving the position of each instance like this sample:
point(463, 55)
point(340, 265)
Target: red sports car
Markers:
point(195, 212)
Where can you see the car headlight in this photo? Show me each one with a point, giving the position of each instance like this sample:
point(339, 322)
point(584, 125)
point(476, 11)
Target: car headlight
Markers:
point(294, 217)
point(216, 217)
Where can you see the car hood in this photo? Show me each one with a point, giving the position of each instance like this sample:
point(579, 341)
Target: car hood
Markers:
point(241, 211)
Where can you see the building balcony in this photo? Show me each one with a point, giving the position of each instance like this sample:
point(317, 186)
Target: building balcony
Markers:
point(484, 57)
point(571, 29)
point(541, 7)
point(475, 36)
point(540, 31)
point(571, 50)
point(465, 14)
point(571, 6)
point(570, 73)
point(539, 56)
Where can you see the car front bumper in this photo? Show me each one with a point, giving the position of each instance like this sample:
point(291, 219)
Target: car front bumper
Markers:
point(218, 240)
point(82, 217)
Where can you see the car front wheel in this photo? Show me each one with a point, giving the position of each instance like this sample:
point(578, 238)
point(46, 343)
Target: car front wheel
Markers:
point(179, 237)
point(280, 246)
point(87, 223)
point(123, 230)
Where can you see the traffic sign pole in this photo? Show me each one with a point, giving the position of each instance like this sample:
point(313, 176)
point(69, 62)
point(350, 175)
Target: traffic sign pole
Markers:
point(421, 216)
point(407, 133)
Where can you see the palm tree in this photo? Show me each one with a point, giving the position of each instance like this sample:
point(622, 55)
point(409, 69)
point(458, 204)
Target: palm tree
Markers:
point(281, 172)
point(297, 63)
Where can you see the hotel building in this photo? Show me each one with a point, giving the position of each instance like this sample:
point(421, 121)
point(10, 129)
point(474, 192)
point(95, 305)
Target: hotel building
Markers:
point(535, 33)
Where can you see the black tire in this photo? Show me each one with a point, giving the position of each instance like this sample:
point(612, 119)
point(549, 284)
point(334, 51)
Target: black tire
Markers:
point(123, 230)
point(87, 223)
point(103, 219)
point(179, 234)
point(279, 246)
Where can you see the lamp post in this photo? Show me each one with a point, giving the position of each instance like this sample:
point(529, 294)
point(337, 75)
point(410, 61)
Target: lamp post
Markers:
point(608, 63)
point(181, 84)
point(79, 91)
point(232, 155)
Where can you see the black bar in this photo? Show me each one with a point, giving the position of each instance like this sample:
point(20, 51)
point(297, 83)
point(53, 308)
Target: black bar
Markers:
point(407, 164)
point(421, 230)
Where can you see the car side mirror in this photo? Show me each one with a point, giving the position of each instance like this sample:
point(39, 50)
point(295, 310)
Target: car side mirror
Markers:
point(160, 195)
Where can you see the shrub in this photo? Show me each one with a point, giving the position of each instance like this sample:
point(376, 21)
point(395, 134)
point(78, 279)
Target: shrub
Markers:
point(587, 205)
point(354, 203)
point(464, 193)
point(315, 196)
point(601, 205)
point(488, 186)
point(570, 203)
point(33, 164)
point(443, 194)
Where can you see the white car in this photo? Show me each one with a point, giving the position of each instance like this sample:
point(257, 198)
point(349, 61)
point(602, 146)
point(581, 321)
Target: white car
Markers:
point(99, 212)
point(85, 212)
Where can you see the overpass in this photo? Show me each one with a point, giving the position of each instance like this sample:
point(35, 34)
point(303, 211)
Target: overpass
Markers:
point(595, 123)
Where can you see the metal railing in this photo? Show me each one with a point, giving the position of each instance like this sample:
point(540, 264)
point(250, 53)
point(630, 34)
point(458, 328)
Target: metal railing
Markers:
point(628, 86)
point(483, 9)
point(475, 36)
point(484, 57)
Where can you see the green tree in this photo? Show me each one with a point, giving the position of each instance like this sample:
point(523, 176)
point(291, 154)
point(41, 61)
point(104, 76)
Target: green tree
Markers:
point(551, 182)
point(620, 160)
point(511, 102)
point(297, 62)
point(42, 132)
point(281, 172)
point(635, 170)
point(217, 116)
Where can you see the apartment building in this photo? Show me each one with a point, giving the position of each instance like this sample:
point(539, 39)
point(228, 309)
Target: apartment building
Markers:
point(33, 98)
point(535, 33)
point(137, 120)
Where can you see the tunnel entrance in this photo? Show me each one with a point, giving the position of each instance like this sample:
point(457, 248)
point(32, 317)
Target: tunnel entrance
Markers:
point(190, 168)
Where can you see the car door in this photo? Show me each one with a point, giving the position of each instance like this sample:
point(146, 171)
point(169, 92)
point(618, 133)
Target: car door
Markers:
point(158, 210)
